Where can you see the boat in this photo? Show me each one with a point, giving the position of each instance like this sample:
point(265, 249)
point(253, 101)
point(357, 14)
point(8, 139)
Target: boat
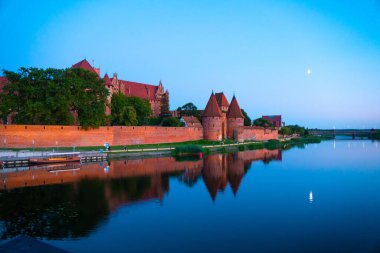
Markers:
point(56, 158)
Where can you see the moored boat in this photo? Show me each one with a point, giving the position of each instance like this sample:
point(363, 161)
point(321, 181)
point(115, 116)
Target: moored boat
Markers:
point(47, 160)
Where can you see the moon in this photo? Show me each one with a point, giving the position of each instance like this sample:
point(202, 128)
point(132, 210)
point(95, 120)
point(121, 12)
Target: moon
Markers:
point(308, 72)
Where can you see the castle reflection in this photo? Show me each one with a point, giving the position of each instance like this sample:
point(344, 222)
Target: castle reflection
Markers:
point(29, 203)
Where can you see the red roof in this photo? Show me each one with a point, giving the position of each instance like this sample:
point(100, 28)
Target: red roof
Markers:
point(192, 121)
point(212, 108)
point(106, 78)
point(141, 90)
point(221, 99)
point(84, 64)
point(234, 109)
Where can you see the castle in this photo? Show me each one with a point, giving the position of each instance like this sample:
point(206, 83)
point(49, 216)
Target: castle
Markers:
point(223, 120)
point(220, 120)
point(155, 94)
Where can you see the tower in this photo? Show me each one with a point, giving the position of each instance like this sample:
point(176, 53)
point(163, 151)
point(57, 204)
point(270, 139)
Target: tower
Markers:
point(212, 120)
point(235, 119)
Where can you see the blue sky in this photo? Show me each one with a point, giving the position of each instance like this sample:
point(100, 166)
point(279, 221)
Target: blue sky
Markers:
point(261, 50)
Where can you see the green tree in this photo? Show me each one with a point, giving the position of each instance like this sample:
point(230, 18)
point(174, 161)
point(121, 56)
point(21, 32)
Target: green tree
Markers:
point(171, 122)
point(189, 109)
point(129, 111)
point(262, 122)
point(37, 96)
point(247, 119)
point(52, 96)
point(88, 96)
point(122, 113)
point(143, 110)
point(293, 129)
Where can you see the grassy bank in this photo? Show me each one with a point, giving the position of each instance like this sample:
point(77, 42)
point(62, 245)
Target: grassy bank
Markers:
point(125, 147)
point(193, 148)
point(270, 145)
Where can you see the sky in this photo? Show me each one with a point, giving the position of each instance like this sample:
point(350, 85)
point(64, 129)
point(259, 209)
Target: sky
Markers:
point(317, 63)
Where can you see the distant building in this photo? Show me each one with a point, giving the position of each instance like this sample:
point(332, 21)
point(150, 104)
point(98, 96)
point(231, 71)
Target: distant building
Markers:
point(190, 121)
point(275, 120)
point(155, 94)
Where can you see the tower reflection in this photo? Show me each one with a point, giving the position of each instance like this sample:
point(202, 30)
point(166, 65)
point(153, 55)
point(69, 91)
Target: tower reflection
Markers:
point(30, 203)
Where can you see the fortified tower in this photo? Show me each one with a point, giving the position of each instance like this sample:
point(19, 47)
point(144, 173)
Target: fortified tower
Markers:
point(235, 119)
point(212, 120)
point(223, 106)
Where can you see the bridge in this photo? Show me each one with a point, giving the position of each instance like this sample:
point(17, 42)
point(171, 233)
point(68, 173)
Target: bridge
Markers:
point(343, 132)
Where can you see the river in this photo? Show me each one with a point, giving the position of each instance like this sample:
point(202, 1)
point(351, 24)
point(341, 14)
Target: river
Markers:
point(314, 198)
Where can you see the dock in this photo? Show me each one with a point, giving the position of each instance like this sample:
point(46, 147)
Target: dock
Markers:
point(23, 161)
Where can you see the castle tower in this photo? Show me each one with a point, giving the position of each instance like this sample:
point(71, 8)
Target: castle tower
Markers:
point(235, 119)
point(212, 120)
point(223, 106)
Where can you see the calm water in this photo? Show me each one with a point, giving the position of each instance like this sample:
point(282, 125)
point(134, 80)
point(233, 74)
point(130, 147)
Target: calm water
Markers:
point(321, 198)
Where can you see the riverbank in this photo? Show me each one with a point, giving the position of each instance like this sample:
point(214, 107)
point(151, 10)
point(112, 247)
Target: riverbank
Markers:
point(169, 149)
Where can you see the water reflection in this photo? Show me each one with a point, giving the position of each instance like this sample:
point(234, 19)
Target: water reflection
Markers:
point(69, 201)
point(311, 198)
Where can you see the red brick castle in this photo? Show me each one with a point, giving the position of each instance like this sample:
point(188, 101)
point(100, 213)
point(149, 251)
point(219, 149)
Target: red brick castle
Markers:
point(155, 94)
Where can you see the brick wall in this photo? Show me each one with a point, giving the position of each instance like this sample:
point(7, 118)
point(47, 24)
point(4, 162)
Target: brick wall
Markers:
point(22, 136)
point(257, 133)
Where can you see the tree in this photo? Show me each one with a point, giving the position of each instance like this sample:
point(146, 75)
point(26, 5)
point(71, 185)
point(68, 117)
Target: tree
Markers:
point(262, 122)
point(143, 110)
point(247, 119)
point(89, 96)
point(53, 96)
point(122, 114)
point(189, 109)
point(129, 111)
point(293, 129)
point(171, 122)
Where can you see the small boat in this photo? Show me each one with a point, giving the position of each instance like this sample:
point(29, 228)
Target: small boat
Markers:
point(46, 160)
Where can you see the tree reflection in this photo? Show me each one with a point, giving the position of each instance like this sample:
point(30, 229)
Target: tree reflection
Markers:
point(74, 209)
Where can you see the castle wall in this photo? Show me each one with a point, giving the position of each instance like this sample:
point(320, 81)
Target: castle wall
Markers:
point(212, 127)
point(22, 136)
point(232, 125)
point(256, 133)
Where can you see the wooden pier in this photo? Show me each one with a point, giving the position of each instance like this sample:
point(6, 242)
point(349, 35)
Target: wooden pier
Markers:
point(11, 162)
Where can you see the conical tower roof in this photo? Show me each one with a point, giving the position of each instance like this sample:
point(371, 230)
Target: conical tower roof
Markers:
point(234, 110)
point(212, 108)
point(221, 99)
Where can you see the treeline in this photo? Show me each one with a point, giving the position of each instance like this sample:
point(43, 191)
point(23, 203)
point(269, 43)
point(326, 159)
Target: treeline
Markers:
point(293, 129)
point(66, 97)
point(54, 97)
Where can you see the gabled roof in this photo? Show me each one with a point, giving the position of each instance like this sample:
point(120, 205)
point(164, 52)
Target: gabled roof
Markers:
point(84, 64)
point(191, 119)
point(221, 99)
point(234, 110)
point(141, 90)
point(212, 108)
point(106, 78)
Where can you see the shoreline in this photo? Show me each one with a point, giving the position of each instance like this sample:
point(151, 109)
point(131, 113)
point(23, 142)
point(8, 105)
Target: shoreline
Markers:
point(167, 149)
